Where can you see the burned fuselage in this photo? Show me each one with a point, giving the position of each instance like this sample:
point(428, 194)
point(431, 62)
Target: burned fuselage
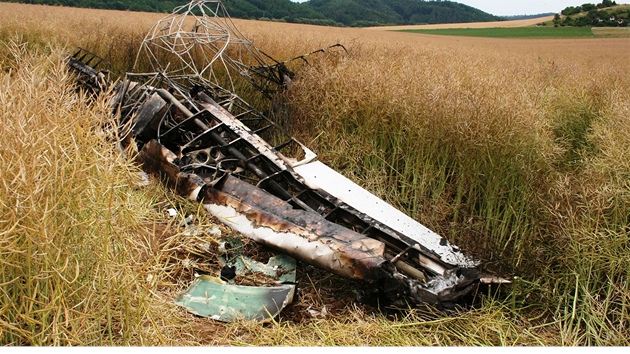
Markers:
point(209, 145)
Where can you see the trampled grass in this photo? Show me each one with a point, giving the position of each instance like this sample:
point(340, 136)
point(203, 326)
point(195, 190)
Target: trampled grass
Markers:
point(516, 150)
point(517, 32)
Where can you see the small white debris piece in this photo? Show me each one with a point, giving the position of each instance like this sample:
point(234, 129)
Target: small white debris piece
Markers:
point(195, 230)
point(189, 219)
point(143, 179)
point(192, 230)
point(171, 212)
point(215, 231)
point(221, 248)
point(318, 314)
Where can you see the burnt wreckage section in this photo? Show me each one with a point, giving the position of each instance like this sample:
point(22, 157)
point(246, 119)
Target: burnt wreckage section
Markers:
point(209, 145)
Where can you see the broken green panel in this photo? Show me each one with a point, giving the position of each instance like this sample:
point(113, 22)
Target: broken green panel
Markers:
point(211, 297)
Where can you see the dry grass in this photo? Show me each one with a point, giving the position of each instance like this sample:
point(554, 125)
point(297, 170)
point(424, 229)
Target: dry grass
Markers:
point(493, 24)
point(516, 150)
point(72, 225)
point(611, 31)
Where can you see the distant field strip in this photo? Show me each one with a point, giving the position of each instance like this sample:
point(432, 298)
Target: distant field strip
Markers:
point(611, 32)
point(517, 32)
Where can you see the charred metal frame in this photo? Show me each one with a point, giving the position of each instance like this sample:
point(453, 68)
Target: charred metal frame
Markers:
point(209, 145)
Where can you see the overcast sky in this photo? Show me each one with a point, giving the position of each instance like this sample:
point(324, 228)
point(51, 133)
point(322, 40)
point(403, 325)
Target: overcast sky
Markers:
point(522, 7)
point(525, 7)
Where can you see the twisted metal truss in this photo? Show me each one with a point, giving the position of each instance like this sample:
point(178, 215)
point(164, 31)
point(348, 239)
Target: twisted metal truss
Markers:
point(210, 145)
point(199, 41)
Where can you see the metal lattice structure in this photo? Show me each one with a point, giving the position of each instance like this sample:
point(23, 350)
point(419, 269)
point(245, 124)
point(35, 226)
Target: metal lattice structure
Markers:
point(200, 41)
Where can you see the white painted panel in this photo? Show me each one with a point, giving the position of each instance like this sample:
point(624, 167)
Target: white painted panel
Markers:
point(319, 176)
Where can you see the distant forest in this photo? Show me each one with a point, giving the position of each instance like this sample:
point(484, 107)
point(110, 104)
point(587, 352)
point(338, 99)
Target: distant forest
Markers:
point(527, 17)
point(349, 13)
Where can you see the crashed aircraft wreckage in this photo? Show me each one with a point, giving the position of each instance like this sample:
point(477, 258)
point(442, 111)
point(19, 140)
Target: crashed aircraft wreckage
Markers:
point(209, 145)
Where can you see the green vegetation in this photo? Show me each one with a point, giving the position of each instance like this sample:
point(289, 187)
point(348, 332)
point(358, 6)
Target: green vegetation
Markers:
point(516, 32)
point(133, 5)
point(355, 13)
point(526, 17)
point(283, 10)
point(397, 12)
point(606, 14)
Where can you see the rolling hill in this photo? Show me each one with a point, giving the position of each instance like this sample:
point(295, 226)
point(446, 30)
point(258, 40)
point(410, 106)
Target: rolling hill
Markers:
point(347, 13)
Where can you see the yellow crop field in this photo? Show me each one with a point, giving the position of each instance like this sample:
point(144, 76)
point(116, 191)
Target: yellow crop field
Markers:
point(516, 150)
point(493, 24)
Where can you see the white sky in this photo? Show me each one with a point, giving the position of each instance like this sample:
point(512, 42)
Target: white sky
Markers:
point(522, 7)
point(525, 7)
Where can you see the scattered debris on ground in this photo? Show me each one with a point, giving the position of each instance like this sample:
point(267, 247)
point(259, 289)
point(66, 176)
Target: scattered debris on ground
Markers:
point(207, 144)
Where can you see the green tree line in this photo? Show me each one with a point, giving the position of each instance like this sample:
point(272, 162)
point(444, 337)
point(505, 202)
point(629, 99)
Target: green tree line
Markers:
point(133, 5)
point(605, 14)
point(356, 13)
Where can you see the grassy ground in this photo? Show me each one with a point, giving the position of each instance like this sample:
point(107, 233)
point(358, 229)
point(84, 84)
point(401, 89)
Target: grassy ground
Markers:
point(516, 150)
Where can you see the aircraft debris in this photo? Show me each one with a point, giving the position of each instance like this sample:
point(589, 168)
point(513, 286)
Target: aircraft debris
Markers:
point(208, 144)
point(219, 299)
